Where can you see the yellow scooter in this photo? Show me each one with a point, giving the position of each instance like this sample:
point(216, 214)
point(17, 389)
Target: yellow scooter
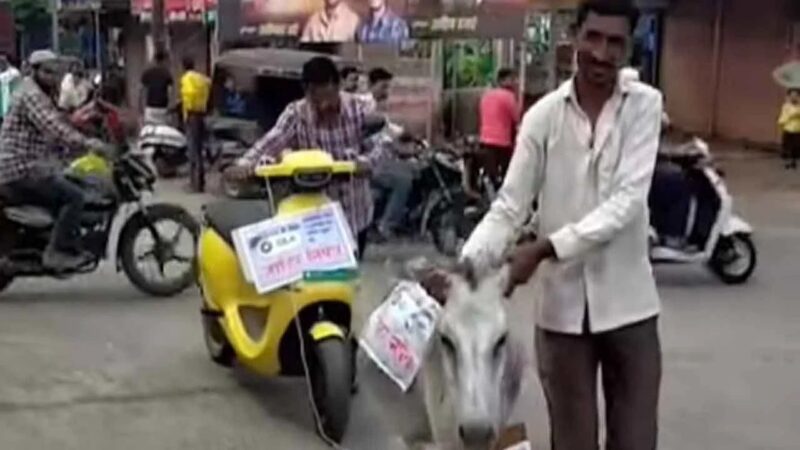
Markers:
point(301, 330)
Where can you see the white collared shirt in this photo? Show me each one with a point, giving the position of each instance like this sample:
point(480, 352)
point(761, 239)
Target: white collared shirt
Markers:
point(592, 188)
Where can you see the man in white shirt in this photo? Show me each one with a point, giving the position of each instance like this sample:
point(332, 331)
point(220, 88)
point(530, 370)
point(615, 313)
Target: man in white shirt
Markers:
point(75, 89)
point(586, 153)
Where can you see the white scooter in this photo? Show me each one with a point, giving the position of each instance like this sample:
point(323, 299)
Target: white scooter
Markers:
point(166, 147)
point(714, 234)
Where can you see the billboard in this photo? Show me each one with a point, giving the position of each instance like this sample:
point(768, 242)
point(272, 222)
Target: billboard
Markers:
point(175, 10)
point(376, 21)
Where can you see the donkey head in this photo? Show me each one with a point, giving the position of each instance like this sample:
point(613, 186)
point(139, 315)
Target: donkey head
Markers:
point(472, 349)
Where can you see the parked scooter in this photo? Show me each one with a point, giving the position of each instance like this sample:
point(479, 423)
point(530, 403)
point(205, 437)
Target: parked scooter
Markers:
point(300, 330)
point(714, 234)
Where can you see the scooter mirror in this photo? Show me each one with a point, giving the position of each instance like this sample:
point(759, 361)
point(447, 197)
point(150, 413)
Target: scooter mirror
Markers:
point(373, 124)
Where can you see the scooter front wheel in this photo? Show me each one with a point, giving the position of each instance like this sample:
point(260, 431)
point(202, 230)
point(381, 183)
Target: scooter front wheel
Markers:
point(219, 349)
point(331, 383)
point(734, 259)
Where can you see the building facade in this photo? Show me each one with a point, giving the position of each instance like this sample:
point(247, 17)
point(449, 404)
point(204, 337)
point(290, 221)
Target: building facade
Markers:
point(717, 62)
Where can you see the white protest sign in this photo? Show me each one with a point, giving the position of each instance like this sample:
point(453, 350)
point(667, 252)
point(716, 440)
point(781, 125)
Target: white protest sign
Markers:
point(277, 252)
point(398, 333)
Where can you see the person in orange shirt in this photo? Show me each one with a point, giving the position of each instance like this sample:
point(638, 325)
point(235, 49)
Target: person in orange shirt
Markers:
point(499, 118)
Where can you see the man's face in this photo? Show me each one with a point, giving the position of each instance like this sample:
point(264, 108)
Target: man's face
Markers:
point(510, 83)
point(377, 5)
point(48, 76)
point(602, 45)
point(794, 96)
point(324, 99)
point(350, 83)
point(380, 90)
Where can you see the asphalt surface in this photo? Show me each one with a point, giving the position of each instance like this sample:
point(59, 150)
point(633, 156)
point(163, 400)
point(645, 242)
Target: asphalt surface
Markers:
point(90, 363)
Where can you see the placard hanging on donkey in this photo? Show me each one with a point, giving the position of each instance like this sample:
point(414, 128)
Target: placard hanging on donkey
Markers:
point(398, 333)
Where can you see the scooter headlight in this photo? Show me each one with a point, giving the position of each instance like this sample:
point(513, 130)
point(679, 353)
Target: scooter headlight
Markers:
point(312, 180)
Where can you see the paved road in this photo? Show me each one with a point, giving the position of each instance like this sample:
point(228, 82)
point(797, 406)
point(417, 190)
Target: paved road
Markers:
point(92, 364)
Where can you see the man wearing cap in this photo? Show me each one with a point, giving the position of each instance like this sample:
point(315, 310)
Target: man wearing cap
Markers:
point(30, 129)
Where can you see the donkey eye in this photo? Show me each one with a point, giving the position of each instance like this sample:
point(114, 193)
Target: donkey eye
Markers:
point(449, 346)
point(500, 345)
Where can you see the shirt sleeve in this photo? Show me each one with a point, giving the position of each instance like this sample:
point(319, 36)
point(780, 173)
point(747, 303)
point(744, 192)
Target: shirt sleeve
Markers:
point(49, 120)
point(373, 150)
point(783, 119)
point(629, 191)
point(278, 139)
point(489, 242)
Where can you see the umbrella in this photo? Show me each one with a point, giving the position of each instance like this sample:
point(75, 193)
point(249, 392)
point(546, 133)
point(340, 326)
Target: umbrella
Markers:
point(788, 75)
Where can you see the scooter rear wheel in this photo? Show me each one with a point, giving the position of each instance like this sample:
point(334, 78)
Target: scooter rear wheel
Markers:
point(734, 259)
point(331, 383)
point(5, 281)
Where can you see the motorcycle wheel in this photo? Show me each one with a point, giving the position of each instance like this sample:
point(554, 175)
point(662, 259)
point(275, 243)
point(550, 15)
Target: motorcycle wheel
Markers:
point(130, 260)
point(219, 349)
point(5, 282)
point(734, 259)
point(331, 387)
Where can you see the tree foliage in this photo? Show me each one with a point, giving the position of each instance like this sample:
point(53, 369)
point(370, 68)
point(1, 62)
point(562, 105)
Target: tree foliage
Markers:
point(29, 13)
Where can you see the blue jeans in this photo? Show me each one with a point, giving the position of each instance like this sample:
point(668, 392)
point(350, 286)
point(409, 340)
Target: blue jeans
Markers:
point(396, 177)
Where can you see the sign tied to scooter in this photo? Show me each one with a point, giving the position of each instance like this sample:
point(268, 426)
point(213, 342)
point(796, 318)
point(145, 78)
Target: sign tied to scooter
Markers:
point(280, 251)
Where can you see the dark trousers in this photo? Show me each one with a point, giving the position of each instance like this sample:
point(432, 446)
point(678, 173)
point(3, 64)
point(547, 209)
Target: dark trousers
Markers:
point(670, 200)
point(196, 130)
point(630, 361)
point(397, 178)
point(361, 241)
point(791, 148)
point(495, 161)
point(63, 198)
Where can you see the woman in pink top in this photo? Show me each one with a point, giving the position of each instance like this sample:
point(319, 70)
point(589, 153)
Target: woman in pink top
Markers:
point(500, 115)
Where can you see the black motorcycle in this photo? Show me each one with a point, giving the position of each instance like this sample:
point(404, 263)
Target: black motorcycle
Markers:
point(436, 188)
point(25, 231)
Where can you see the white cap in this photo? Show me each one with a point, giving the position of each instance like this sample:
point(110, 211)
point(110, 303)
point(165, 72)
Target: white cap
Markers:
point(42, 56)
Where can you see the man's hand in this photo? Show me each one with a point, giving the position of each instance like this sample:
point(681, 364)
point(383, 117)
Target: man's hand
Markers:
point(239, 172)
point(363, 168)
point(525, 260)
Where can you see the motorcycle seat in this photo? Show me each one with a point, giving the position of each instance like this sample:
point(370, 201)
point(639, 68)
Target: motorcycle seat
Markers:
point(225, 216)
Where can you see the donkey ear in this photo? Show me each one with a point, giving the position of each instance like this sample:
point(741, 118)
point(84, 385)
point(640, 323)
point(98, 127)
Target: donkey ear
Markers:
point(434, 280)
point(466, 268)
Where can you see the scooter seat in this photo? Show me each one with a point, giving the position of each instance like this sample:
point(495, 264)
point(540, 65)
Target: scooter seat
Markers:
point(225, 216)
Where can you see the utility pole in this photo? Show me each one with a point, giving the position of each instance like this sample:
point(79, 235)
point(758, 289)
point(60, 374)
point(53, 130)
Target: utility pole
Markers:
point(159, 26)
point(54, 23)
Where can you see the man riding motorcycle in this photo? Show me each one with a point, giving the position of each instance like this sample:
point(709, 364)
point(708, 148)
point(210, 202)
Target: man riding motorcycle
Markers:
point(28, 159)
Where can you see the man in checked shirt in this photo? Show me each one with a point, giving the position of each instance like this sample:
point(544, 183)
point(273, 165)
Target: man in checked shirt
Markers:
point(331, 120)
point(28, 161)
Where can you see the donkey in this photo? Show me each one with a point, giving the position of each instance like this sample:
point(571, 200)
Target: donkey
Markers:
point(472, 374)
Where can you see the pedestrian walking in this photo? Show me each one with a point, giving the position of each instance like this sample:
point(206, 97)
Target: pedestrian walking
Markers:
point(156, 90)
point(499, 115)
point(10, 78)
point(195, 90)
point(789, 123)
point(587, 151)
